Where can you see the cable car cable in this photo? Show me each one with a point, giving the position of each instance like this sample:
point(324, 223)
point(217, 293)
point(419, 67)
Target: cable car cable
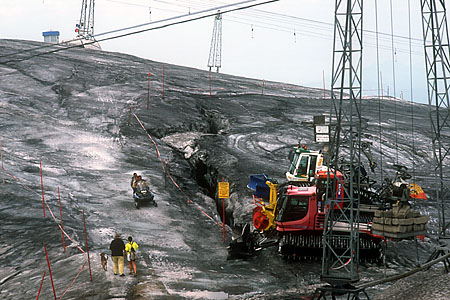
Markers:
point(379, 98)
point(393, 78)
point(143, 30)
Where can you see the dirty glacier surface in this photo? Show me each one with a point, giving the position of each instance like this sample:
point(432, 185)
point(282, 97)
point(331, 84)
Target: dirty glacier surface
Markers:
point(70, 111)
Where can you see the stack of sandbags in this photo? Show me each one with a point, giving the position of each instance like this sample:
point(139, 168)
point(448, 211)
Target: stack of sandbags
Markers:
point(400, 220)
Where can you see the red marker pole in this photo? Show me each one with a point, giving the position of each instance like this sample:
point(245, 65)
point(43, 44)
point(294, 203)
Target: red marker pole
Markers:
point(40, 287)
point(262, 89)
point(1, 154)
point(323, 84)
point(50, 271)
point(42, 188)
point(165, 173)
point(223, 205)
point(148, 92)
point(163, 79)
point(60, 213)
point(210, 93)
point(87, 247)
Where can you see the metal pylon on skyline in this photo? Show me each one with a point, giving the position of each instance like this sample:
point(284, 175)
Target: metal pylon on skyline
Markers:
point(437, 52)
point(215, 52)
point(340, 268)
point(85, 27)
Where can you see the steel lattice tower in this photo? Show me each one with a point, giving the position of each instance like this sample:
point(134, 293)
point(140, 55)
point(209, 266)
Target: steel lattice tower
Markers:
point(437, 51)
point(341, 267)
point(215, 52)
point(86, 25)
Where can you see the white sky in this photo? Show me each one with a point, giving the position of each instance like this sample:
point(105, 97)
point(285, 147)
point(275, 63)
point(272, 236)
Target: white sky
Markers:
point(271, 52)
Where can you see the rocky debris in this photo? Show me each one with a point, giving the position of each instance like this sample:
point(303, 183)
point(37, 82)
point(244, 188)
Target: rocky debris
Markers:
point(432, 284)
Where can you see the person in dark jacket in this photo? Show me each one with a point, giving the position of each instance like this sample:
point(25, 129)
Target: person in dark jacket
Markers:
point(117, 248)
point(133, 180)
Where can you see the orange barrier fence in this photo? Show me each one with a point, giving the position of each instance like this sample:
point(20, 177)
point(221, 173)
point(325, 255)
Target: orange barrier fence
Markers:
point(50, 270)
point(81, 269)
point(40, 286)
point(60, 227)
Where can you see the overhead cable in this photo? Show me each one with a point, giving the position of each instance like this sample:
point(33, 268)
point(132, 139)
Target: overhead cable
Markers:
point(209, 14)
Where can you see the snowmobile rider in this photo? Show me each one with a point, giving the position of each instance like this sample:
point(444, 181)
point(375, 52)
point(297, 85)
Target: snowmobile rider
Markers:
point(139, 178)
point(117, 248)
point(131, 248)
point(133, 180)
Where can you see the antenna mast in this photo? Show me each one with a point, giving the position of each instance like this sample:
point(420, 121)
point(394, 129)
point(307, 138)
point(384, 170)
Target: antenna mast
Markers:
point(215, 52)
point(85, 28)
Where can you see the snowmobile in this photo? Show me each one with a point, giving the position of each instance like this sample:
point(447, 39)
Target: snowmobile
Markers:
point(142, 195)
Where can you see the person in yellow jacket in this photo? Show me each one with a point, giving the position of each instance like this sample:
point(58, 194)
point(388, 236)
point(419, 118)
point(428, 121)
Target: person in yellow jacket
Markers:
point(131, 248)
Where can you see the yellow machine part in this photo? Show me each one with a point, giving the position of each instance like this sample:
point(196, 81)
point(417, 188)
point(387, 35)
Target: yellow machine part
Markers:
point(268, 211)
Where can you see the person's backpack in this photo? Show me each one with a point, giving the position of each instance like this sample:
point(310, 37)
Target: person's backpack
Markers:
point(132, 253)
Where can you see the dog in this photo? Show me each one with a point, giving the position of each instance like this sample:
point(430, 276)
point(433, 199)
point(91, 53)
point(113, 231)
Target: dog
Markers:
point(104, 259)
